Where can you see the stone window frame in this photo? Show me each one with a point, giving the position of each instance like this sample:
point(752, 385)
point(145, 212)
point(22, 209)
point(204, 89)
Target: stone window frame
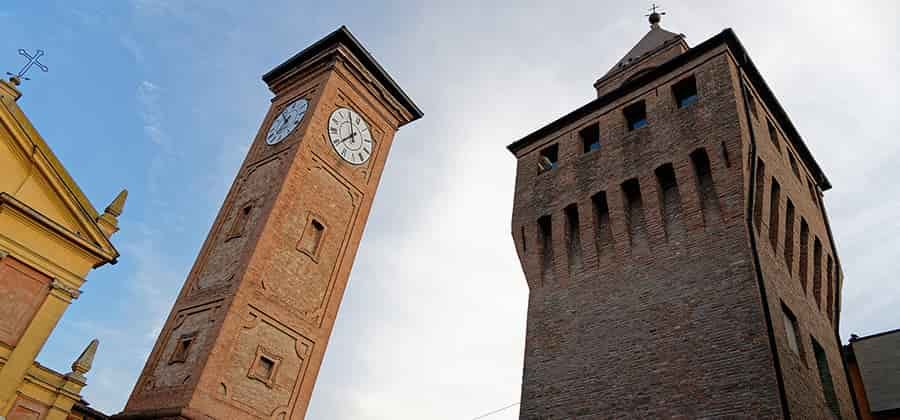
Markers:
point(312, 219)
point(239, 220)
point(264, 353)
point(180, 353)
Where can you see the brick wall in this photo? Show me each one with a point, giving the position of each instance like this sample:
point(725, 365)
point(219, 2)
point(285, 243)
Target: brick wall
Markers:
point(661, 312)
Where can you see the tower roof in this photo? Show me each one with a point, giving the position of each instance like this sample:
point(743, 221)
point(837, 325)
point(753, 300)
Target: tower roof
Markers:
point(343, 36)
point(654, 40)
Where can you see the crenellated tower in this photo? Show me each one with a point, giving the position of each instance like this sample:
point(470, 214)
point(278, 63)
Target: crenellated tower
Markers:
point(674, 238)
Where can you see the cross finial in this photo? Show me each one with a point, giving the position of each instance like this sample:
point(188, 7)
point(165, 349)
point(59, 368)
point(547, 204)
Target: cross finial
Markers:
point(17, 78)
point(654, 15)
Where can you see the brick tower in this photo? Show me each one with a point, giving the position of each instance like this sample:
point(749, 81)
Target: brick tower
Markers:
point(674, 239)
point(248, 331)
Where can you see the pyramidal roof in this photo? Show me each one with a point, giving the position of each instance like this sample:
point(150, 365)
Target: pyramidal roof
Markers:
point(654, 40)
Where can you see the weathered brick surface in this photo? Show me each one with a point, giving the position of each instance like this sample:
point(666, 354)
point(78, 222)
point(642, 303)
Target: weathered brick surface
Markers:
point(261, 294)
point(664, 316)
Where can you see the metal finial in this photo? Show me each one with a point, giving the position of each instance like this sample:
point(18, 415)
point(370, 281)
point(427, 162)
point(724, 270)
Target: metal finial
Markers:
point(654, 16)
point(17, 78)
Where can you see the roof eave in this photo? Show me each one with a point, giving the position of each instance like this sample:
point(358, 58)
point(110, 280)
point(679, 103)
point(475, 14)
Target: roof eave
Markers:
point(343, 36)
point(727, 37)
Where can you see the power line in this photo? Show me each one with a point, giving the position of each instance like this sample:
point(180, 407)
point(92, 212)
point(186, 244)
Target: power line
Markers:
point(495, 411)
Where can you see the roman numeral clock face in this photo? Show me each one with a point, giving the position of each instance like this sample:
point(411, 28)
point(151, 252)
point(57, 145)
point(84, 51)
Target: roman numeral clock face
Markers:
point(349, 136)
point(287, 121)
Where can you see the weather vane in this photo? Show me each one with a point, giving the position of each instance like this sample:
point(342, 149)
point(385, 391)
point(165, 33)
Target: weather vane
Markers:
point(32, 61)
point(654, 15)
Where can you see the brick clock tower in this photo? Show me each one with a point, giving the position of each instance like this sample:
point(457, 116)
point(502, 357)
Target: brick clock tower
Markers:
point(674, 238)
point(249, 329)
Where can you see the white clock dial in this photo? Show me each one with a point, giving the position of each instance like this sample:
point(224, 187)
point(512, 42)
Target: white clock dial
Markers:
point(349, 135)
point(287, 121)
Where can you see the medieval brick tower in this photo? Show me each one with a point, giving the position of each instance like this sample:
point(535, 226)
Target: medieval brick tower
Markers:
point(673, 236)
point(248, 331)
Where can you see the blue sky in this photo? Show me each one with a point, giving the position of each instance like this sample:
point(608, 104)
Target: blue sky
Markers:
point(164, 96)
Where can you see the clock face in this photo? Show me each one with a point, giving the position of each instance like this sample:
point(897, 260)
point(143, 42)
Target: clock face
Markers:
point(349, 135)
point(287, 121)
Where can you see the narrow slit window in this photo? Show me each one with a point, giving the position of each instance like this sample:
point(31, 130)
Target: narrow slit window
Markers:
point(774, 213)
point(311, 238)
point(812, 191)
point(634, 210)
point(669, 199)
point(751, 102)
point(760, 188)
point(240, 220)
point(546, 230)
point(789, 236)
point(773, 135)
point(573, 235)
point(817, 272)
point(549, 158)
point(825, 378)
point(523, 238)
point(685, 92)
point(803, 271)
point(725, 157)
point(792, 331)
point(590, 138)
point(635, 115)
point(603, 232)
point(793, 161)
point(706, 187)
point(829, 295)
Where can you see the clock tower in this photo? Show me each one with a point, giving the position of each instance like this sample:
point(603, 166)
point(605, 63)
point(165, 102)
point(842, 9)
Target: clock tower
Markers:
point(249, 329)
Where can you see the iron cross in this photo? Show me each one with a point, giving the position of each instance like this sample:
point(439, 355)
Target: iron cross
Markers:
point(32, 61)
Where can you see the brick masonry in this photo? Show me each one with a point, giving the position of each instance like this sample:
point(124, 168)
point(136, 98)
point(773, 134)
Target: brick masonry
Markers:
point(249, 329)
point(662, 314)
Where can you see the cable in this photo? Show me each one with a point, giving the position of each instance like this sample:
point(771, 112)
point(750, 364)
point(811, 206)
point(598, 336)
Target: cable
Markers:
point(495, 411)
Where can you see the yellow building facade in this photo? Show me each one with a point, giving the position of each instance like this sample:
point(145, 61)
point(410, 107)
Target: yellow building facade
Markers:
point(51, 237)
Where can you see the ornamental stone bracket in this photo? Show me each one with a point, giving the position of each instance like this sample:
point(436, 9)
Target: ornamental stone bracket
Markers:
point(61, 287)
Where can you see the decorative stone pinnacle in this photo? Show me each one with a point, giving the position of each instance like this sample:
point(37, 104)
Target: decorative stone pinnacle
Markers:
point(118, 204)
point(84, 362)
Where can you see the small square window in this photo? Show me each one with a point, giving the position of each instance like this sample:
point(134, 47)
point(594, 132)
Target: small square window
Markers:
point(685, 92)
point(590, 138)
point(549, 158)
point(311, 238)
point(635, 115)
point(239, 221)
point(264, 367)
point(182, 348)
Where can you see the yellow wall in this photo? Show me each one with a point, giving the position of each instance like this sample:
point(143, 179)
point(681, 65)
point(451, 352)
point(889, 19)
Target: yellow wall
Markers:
point(51, 237)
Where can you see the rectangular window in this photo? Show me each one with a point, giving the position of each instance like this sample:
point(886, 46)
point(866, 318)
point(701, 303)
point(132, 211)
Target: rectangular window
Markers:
point(825, 378)
point(590, 138)
point(829, 295)
point(812, 191)
point(603, 232)
point(792, 330)
point(789, 236)
point(773, 135)
point(182, 348)
point(804, 253)
point(685, 91)
point(774, 213)
point(311, 237)
point(751, 102)
point(793, 161)
point(239, 221)
point(549, 158)
point(573, 235)
point(546, 230)
point(636, 115)
point(817, 272)
point(760, 188)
